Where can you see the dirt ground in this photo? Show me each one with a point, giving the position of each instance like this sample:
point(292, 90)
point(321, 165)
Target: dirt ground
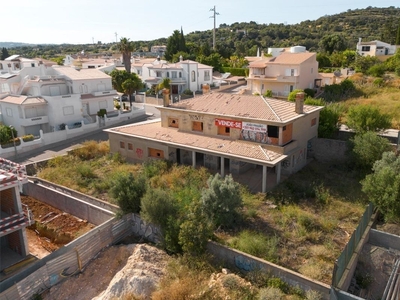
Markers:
point(53, 228)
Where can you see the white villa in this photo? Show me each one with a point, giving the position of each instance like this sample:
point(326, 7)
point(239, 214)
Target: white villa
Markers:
point(38, 99)
point(185, 74)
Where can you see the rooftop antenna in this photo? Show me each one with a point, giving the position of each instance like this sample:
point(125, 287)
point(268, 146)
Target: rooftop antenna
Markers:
point(214, 16)
point(116, 37)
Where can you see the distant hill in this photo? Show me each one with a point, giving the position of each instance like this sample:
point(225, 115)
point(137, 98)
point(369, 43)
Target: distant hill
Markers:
point(14, 45)
point(242, 39)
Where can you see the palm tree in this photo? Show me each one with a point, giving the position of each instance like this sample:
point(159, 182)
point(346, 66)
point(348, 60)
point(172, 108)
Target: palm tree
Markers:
point(131, 85)
point(126, 48)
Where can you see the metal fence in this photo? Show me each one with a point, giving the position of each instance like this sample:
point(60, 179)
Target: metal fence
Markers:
point(344, 258)
point(68, 260)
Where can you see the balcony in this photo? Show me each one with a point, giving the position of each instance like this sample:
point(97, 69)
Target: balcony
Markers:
point(34, 121)
point(105, 93)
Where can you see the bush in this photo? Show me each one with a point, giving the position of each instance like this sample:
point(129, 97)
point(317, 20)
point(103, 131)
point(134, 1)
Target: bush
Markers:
point(6, 135)
point(235, 71)
point(221, 200)
point(28, 138)
point(362, 118)
point(268, 94)
point(127, 192)
point(257, 244)
point(270, 293)
point(188, 92)
point(102, 112)
point(367, 148)
point(292, 94)
point(377, 70)
point(309, 92)
point(329, 120)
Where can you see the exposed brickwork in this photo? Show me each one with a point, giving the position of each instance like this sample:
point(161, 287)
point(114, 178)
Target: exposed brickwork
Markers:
point(7, 202)
point(14, 242)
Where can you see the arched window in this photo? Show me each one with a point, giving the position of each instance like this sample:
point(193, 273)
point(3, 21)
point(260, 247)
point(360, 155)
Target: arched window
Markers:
point(193, 76)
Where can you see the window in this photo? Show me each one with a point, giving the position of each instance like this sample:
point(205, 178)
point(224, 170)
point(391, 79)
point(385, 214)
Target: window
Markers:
point(206, 75)
point(312, 70)
point(273, 131)
point(197, 126)
point(68, 110)
point(173, 122)
point(158, 74)
point(138, 72)
point(122, 145)
point(9, 112)
point(283, 128)
point(365, 48)
point(167, 74)
point(291, 72)
point(180, 74)
point(173, 73)
point(291, 88)
point(130, 146)
point(222, 130)
point(313, 122)
point(193, 76)
point(157, 153)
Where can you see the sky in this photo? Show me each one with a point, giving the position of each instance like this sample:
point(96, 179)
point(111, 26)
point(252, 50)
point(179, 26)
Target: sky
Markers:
point(88, 21)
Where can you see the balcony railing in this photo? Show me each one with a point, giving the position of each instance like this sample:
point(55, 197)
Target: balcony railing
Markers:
point(34, 121)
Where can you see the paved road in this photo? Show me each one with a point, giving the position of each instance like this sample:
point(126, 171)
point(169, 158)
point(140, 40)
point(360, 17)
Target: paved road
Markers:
point(63, 147)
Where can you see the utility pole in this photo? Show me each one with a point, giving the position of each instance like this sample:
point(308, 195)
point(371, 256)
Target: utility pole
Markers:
point(214, 16)
point(116, 37)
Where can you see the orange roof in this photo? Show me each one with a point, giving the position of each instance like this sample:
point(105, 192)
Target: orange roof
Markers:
point(292, 58)
point(233, 148)
point(243, 106)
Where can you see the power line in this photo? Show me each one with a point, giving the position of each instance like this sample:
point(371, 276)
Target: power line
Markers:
point(214, 16)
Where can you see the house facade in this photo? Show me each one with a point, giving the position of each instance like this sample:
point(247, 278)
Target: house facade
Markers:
point(14, 216)
point(375, 48)
point(290, 70)
point(185, 74)
point(226, 133)
point(36, 97)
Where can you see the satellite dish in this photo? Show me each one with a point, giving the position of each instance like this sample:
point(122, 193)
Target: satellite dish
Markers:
point(337, 73)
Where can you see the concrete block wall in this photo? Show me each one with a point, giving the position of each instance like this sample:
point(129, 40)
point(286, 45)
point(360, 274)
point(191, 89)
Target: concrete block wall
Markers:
point(326, 150)
point(67, 203)
point(245, 262)
point(15, 243)
point(7, 202)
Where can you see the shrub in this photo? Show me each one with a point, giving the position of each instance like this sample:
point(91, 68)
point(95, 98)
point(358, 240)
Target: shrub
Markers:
point(362, 118)
point(379, 82)
point(309, 92)
point(270, 293)
point(329, 120)
point(102, 112)
point(397, 71)
point(292, 94)
point(188, 92)
point(257, 244)
point(268, 94)
point(221, 200)
point(28, 138)
point(376, 70)
point(368, 148)
point(127, 192)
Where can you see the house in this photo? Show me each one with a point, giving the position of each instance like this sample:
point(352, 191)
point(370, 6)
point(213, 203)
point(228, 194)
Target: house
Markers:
point(227, 133)
point(375, 48)
point(36, 97)
point(185, 74)
point(14, 216)
point(290, 70)
point(158, 50)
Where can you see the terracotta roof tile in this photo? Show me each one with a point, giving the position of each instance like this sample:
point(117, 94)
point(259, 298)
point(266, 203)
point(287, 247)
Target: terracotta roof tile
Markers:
point(234, 148)
point(243, 106)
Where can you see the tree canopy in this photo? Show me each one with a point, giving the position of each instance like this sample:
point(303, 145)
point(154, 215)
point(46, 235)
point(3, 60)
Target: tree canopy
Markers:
point(126, 47)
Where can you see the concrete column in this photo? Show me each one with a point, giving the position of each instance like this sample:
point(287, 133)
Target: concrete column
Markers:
point(280, 138)
point(194, 159)
point(278, 172)
point(222, 167)
point(264, 179)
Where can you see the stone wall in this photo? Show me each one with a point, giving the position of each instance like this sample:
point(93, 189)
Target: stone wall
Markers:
point(327, 150)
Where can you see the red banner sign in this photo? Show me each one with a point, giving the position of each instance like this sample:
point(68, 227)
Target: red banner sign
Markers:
point(228, 123)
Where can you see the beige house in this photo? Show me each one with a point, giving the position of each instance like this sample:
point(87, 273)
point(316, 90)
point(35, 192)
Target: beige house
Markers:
point(225, 133)
point(283, 73)
point(375, 48)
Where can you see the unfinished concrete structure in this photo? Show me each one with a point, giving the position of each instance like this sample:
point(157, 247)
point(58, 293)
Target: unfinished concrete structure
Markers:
point(14, 216)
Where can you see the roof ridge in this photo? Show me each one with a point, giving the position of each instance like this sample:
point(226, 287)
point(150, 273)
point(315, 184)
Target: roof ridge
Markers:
point(273, 111)
point(265, 153)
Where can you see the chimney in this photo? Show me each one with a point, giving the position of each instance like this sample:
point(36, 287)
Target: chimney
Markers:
point(205, 88)
point(299, 103)
point(165, 93)
point(180, 58)
point(359, 40)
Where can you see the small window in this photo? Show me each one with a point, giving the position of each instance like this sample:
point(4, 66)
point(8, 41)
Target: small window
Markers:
point(197, 126)
point(193, 76)
point(273, 131)
point(313, 122)
point(130, 146)
point(173, 73)
point(222, 130)
point(32, 65)
point(156, 153)
point(283, 128)
point(206, 75)
point(365, 48)
point(173, 122)
point(167, 74)
point(180, 74)
point(9, 112)
point(122, 145)
point(158, 74)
